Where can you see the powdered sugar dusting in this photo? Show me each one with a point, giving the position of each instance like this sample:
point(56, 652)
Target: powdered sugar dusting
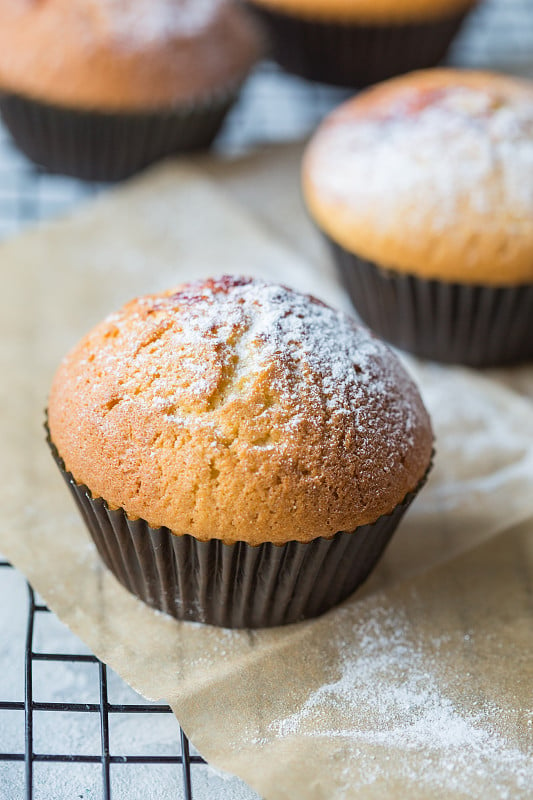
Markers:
point(463, 149)
point(209, 343)
point(139, 22)
point(389, 701)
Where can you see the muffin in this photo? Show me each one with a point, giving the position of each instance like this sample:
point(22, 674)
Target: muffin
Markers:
point(240, 452)
point(101, 89)
point(424, 188)
point(358, 42)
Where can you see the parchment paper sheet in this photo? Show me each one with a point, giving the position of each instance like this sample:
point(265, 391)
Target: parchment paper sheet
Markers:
point(422, 684)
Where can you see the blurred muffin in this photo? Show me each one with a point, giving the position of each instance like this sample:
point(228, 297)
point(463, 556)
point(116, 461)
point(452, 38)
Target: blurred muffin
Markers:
point(424, 188)
point(358, 42)
point(100, 89)
point(241, 453)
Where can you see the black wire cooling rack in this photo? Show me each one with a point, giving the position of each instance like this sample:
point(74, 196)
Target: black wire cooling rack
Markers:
point(273, 108)
point(103, 709)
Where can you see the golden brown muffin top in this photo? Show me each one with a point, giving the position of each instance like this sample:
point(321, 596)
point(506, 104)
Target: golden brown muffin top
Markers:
point(124, 55)
point(370, 11)
point(431, 174)
point(240, 410)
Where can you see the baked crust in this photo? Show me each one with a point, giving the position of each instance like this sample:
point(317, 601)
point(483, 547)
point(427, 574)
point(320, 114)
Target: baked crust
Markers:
point(371, 11)
point(431, 174)
point(239, 410)
point(124, 56)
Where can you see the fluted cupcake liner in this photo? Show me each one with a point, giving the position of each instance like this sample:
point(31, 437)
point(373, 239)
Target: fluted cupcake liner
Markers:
point(353, 55)
point(100, 146)
point(238, 585)
point(479, 326)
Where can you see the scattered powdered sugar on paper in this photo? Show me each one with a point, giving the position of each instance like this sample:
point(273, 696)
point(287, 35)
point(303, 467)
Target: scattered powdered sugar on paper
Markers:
point(390, 709)
point(397, 164)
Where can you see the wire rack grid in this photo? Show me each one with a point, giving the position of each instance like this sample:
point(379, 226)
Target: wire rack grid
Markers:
point(103, 708)
point(273, 108)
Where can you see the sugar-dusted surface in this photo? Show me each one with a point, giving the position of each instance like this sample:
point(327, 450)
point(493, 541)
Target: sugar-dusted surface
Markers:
point(238, 409)
point(482, 135)
point(395, 706)
point(137, 22)
point(432, 174)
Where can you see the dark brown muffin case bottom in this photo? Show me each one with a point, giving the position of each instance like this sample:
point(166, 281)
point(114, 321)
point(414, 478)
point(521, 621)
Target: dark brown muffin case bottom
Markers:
point(480, 326)
point(102, 146)
point(233, 586)
point(354, 55)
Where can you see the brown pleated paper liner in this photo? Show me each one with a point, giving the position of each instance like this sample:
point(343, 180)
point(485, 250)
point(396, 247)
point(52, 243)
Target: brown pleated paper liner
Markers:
point(233, 586)
point(479, 326)
point(101, 146)
point(354, 55)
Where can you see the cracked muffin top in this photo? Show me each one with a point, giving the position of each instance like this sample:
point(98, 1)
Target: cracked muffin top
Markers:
point(241, 410)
